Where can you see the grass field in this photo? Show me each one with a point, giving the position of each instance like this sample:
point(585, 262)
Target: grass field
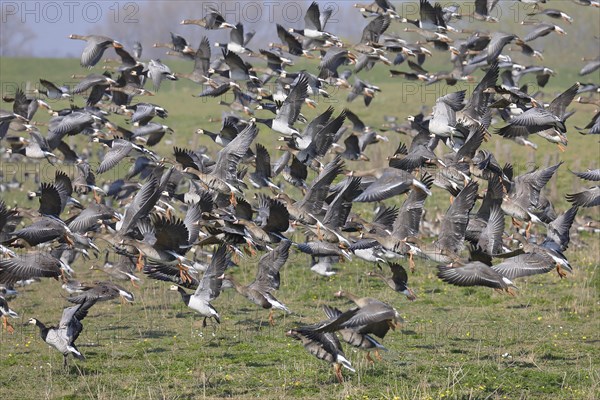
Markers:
point(458, 343)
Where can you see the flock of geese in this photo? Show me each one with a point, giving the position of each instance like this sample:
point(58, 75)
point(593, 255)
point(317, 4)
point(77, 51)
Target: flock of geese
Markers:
point(169, 211)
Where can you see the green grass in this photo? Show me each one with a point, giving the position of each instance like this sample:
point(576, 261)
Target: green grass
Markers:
point(458, 343)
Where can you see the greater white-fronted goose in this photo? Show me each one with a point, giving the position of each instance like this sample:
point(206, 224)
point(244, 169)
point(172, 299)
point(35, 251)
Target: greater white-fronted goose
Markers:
point(370, 317)
point(260, 292)
point(444, 123)
point(398, 282)
point(354, 337)
point(389, 182)
point(475, 274)
point(321, 341)
point(96, 45)
point(102, 291)
point(39, 264)
point(552, 13)
point(212, 20)
point(524, 195)
point(543, 30)
point(453, 230)
point(52, 91)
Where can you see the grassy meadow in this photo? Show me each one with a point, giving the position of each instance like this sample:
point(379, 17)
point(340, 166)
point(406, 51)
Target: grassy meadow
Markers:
point(457, 343)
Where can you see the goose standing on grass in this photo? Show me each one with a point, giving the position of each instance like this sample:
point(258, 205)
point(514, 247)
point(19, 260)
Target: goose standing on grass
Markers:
point(63, 336)
point(209, 287)
point(96, 45)
point(7, 312)
point(260, 292)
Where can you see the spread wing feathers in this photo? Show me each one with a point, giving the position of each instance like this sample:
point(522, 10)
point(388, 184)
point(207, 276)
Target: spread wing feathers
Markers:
point(312, 18)
point(477, 104)
point(263, 161)
point(386, 217)
point(192, 216)
point(202, 57)
point(322, 139)
point(210, 284)
point(50, 199)
point(171, 234)
point(317, 191)
point(534, 117)
point(456, 219)
point(409, 218)
point(119, 150)
point(453, 100)
point(473, 274)
point(490, 239)
point(82, 311)
point(142, 204)
point(589, 175)
point(529, 185)
point(169, 273)
point(392, 182)
point(5, 214)
point(375, 29)
point(290, 109)
point(399, 274)
point(278, 219)
point(101, 292)
point(230, 155)
point(340, 207)
point(558, 230)
point(472, 143)
point(294, 46)
point(559, 105)
point(29, 265)
point(372, 318)
point(587, 198)
point(267, 276)
point(525, 265)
